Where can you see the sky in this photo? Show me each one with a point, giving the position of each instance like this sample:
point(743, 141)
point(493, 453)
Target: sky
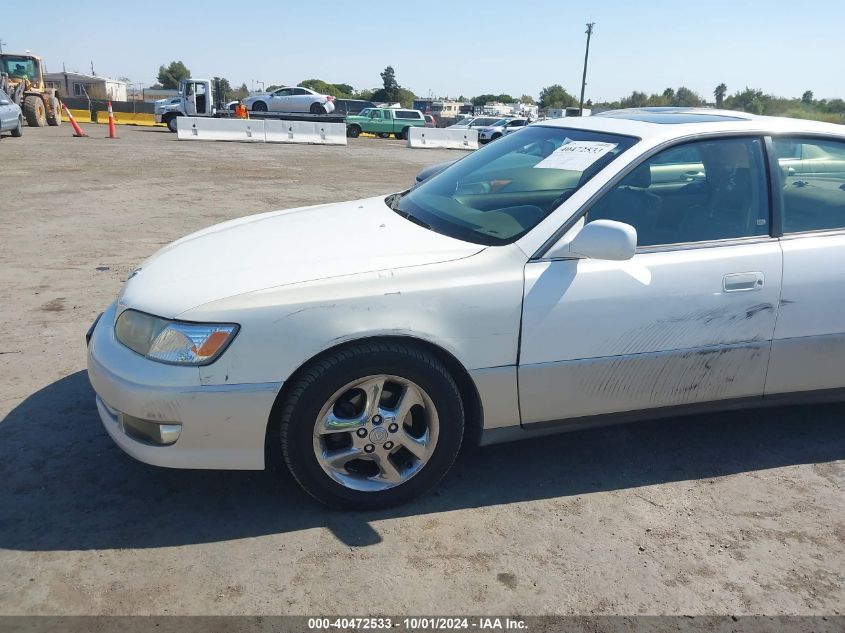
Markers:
point(783, 47)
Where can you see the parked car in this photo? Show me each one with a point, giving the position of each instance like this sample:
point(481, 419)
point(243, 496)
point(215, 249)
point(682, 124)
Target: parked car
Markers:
point(351, 106)
point(585, 271)
point(432, 170)
point(11, 116)
point(475, 122)
point(500, 128)
point(296, 99)
point(429, 120)
point(384, 122)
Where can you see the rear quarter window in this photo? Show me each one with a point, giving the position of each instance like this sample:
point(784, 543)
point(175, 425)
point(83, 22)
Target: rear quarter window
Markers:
point(407, 114)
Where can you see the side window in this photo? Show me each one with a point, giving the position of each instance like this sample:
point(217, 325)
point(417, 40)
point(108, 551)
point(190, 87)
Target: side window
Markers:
point(387, 114)
point(696, 192)
point(284, 92)
point(812, 184)
point(300, 91)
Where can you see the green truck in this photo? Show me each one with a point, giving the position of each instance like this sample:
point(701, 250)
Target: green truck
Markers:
point(384, 122)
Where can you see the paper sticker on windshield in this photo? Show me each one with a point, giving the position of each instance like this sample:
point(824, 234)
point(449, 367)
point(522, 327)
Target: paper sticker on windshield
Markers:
point(575, 155)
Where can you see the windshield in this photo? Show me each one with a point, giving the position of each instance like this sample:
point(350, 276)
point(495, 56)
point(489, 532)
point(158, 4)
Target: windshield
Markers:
point(365, 112)
point(501, 192)
point(19, 67)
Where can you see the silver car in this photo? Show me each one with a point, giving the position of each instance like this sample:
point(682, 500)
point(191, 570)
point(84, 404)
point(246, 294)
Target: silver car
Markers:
point(296, 99)
point(11, 117)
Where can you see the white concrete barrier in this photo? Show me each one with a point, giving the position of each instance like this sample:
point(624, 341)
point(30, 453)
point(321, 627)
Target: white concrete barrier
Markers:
point(442, 138)
point(208, 129)
point(312, 132)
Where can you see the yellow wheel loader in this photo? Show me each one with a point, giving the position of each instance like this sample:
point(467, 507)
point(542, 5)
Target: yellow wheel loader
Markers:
point(22, 78)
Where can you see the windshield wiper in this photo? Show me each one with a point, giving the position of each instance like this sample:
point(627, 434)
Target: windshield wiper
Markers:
point(392, 200)
point(413, 218)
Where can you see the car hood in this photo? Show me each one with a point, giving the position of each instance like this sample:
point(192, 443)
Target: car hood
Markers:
point(281, 248)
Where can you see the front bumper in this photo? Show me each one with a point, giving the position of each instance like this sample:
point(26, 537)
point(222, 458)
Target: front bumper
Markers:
point(223, 426)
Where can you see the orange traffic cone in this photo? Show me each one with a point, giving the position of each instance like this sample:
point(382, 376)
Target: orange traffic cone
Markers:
point(112, 131)
point(77, 131)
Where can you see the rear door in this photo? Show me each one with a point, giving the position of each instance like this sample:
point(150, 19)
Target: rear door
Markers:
point(302, 100)
point(808, 352)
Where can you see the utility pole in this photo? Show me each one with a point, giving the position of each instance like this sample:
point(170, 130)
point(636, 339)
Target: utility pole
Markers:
point(584, 77)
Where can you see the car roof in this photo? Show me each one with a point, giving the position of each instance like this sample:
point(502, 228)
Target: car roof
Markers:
point(674, 116)
point(660, 123)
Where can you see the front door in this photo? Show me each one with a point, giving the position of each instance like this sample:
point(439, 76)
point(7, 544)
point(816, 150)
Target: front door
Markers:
point(689, 319)
point(190, 98)
point(376, 122)
point(282, 100)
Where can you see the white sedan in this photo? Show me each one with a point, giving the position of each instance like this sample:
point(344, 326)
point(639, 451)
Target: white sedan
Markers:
point(635, 264)
point(500, 128)
point(296, 99)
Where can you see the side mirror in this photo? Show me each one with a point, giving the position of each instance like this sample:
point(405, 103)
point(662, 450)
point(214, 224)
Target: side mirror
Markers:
point(600, 239)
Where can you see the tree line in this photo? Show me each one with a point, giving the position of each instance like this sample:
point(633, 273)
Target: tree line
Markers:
point(750, 100)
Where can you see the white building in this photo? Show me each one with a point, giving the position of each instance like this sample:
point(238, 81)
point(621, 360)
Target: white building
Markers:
point(495, 108)
point(559, 113)
point(79, 85)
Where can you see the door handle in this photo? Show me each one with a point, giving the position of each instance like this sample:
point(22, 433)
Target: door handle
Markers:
point(741, 282)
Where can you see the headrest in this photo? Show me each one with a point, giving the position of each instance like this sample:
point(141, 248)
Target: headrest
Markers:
point(640, 177)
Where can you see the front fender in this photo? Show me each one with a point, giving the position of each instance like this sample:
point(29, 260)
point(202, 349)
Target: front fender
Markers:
point(471, 308)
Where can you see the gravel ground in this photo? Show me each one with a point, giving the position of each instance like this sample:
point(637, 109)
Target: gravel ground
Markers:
point(737, 513)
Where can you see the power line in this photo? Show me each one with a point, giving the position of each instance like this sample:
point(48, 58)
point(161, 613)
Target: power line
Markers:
point(590, 26)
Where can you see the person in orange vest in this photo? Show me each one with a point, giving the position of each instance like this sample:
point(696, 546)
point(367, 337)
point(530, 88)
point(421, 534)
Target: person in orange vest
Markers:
point(240, 111)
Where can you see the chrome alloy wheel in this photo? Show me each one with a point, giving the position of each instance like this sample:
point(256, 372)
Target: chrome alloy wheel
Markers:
point(376, 433)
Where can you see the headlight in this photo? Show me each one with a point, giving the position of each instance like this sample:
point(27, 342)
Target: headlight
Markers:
point(173, 342)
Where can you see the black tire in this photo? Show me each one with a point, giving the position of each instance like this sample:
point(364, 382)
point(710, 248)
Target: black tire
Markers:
point(318, 108)
point(18, 131)
point(353, 131)
point(54, 118)
point(259, 106)
point(34, 111)
point(495, 136)
point(322, 379)
point(171, 123)
point(402, 135)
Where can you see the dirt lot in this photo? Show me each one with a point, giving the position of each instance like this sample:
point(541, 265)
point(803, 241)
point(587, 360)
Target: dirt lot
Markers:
point(739, 513)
